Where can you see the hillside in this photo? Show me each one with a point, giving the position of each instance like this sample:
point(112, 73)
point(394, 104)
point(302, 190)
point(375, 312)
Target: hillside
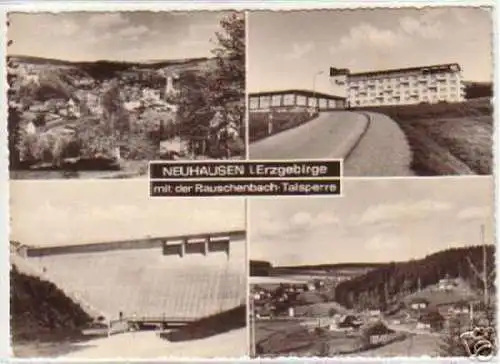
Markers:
point(397, 280)
point(71, 106)
point(39, 309)
point(446, 138)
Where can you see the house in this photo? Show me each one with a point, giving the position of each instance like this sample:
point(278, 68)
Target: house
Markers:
point(419, 303)
point(376, 333)
point(311, 286)
point(263, 312)
point(447, 284)
point(30, 128)
point(431, 320)
point(374, 313)
point(349, 321)
point(460, 307)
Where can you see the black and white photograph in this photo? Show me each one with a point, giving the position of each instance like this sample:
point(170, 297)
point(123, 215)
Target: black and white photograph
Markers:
point(395, 268)
point(99, 94)
point(392, 91)
point(119, 275)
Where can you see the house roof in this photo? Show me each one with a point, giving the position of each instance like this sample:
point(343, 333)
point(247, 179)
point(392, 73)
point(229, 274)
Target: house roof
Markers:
point(431, 316)
point(377, 328)
point(297, 92)
point(437, 68)
point(419, 300)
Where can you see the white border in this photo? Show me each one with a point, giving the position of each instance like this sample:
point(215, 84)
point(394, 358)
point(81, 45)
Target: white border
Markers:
point(52, 6)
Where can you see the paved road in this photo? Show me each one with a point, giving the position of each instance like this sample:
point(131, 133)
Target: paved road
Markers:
point(324, 137)
point(382, 152)
point(380, 147)
point(147, 345)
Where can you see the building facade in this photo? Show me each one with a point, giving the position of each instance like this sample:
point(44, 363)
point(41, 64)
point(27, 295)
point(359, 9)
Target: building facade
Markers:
point(416, 85)
point(292, 99)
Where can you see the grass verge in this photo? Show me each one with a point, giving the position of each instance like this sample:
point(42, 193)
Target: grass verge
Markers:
point(447, 138)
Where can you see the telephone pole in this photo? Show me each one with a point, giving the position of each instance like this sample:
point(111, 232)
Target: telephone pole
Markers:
point(482, 276)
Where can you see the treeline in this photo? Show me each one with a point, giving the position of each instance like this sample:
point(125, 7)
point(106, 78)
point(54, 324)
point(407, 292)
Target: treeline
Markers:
point(260, 268)
point(39, 307)
point(333, 266)
point(474, 90)
point(385, 286)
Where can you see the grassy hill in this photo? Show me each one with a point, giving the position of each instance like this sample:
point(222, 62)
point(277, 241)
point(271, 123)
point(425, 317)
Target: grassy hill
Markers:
point(447, 138)
point(388, 284)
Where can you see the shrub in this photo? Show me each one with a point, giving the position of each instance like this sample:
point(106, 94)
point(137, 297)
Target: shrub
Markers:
point(259, 122)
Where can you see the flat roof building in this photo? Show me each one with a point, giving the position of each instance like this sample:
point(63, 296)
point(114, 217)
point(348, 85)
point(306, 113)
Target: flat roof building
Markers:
point(402, 86)
point(290, 99)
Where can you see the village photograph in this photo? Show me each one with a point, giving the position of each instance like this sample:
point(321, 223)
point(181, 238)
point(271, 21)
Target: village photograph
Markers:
point(396, 268)
point(391, 91)
point(119, 275)
point(99, 94)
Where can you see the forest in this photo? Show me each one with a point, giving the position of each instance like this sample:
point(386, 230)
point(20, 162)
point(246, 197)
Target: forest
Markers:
point(382, 287)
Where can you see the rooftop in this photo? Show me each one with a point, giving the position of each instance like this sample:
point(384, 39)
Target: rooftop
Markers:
point(306, 93)
point(422, 69)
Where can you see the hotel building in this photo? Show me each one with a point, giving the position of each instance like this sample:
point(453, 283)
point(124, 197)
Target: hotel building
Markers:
point(430, 84)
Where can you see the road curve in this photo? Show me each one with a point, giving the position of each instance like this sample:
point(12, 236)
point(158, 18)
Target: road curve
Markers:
point(373, 144)
point(383, 151)
point(328, 136)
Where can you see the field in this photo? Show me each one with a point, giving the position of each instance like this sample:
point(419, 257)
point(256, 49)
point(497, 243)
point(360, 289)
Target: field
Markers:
point(414, 346)
point(281, 121)
point(290, 338)
point(446, 138)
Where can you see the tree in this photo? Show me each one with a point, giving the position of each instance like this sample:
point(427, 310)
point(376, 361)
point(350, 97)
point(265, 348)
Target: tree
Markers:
point(227, 86)
point(194, 111)
point(14, 117)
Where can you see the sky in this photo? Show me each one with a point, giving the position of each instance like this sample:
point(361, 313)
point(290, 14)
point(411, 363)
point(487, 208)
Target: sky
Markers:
point(75, 212)
point(286, 49)
point(124, 36)
point(377, 220)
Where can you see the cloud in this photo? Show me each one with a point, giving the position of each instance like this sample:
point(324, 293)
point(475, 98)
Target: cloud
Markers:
point(423, 26)
point(107, 20)
point(299, 50)
point(382, 242)
point(475, 213)
point(427, 25)
point(294, 225)
point(68, 28)
point(364, 35)
point(133, 32)
point(402, 211)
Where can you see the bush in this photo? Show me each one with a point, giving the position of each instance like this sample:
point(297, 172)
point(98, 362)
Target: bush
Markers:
point(259, 122)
